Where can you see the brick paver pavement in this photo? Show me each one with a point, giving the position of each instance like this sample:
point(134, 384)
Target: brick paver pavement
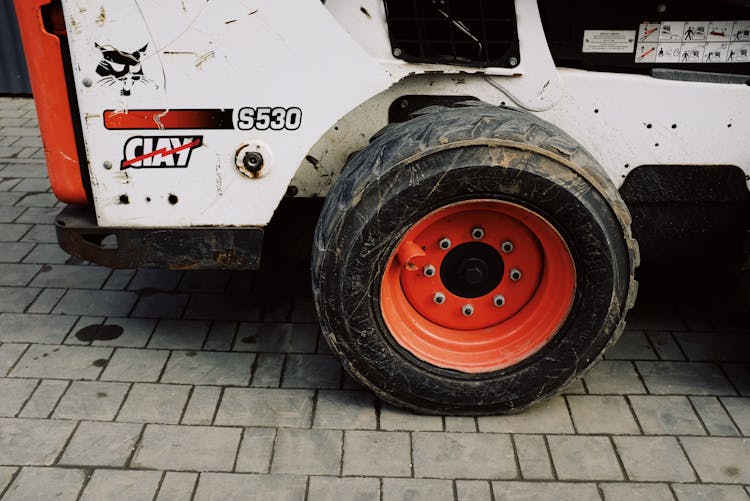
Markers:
point(153, 384)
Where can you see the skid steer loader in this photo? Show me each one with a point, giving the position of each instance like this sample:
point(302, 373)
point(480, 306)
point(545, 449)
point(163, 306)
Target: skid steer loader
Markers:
point(473, 253)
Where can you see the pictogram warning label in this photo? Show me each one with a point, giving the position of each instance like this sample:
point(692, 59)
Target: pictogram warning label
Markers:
point(608, 41)
point(693, 42)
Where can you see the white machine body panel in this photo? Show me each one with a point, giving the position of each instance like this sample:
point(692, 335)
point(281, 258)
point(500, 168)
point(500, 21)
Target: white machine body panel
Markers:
point(173, 96)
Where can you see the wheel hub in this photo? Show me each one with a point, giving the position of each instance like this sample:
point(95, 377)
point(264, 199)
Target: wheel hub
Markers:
point(471, 270)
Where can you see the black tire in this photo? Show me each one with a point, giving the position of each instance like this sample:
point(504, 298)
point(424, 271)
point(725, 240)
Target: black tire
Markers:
point(446, 155)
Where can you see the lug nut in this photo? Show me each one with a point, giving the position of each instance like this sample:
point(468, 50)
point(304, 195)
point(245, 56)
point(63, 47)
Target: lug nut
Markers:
point(467, 310)
point(429, 271)
point(499, 300)
point(445, 243)
point(515, 274)
point(438, 298)
point(507, 247)
point(477, 233)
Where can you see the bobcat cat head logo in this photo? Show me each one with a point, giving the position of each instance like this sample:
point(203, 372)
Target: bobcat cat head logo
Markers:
point(121, 68)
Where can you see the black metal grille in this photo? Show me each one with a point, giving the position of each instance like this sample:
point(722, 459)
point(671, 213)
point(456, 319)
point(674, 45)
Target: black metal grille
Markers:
point(465, 32)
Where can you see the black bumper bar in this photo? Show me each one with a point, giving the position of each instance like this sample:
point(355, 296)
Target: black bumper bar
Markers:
point(174, 248)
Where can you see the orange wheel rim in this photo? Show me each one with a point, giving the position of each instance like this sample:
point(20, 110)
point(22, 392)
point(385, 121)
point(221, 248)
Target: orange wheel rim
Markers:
point(477, 286)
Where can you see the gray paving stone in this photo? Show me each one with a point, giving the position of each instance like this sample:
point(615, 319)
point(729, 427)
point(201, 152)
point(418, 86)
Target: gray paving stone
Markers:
point(715, 347)
point(739, 409)
point(17, 299)
point(714, 417)
point(202, 405)
point(82, 331)
point(462, 424)
point(268, 369)
point(177, 485)
point(547, 417)
point(6, 475)
point(311, 371)
point(654, 459)
point(17, 275)
point(45, 398)
point(611, 377)
point(93, 303)
point(395, 418)
point(255, 450)
point(277, 309)
point(135, 365)
point(155, 279)
point(632, 345)
point(47, 254)
point(377, 453)
point(122, 485)
point(10, 214)
point(220, 336)
point(303, 309)
point(739, 374)
point(343, 489)
point(13, 394)
point(119, 280)
point(154, 403)
point(161, 305)
point(209, 368)
point(13, 232)
point(61, 362)
point(241, 487)
point(40, 233)
point(14, 252)
point(533, 457)
point(665, 345)
point(190, 448)
point(91, 400)
point(135, 332)
point(688, 378)
point(205, 280)
point(61, 484)
point(654, 317)
point(7, 184)
point(473, 490)
point(101, 444)
point(277, 338)
point(71, 276)
point(179, 335)
point(222, 307)
point(46, 301)
point(9, 355)
point(542, 491)
point(37, 215)
point(719, 460)
point(9, 198)
point(602, 414)
point(345, 410)
point(702, 492)
point(26, 328)
point(309, 452)
point(261, 407)
point(584, 458)
point(400, 489)
point(574, 387)
point(37, 200)
point(635, 492)
point(665, 415)
point(463, 455)
point(32, 441)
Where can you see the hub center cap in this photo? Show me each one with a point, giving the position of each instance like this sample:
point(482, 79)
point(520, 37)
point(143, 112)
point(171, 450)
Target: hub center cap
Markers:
point(472, 269)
